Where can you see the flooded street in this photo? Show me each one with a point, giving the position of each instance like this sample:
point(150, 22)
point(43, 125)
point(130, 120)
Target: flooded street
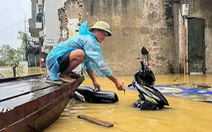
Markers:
point(182, 115)
point(6, 72)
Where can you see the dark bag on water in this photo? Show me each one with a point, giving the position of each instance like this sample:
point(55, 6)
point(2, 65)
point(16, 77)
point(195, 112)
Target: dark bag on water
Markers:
point(88, 94)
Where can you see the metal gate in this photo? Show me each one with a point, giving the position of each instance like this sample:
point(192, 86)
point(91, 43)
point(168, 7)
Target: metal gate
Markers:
point(196, 45)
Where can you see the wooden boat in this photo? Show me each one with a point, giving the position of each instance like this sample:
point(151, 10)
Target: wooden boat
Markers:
point(31, 104)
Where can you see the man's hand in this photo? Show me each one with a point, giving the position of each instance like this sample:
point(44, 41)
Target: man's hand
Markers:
point(120, 85)
point(97, 86)
point(95, 83)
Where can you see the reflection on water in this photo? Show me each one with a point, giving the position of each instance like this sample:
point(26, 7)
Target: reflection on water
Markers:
point(182, 115)
point(6, 72)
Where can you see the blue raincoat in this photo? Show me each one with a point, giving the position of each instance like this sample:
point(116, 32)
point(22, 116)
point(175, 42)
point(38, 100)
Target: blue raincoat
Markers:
point(85, 41)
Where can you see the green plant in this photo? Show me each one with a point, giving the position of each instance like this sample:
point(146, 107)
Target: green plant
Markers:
point(10, 57)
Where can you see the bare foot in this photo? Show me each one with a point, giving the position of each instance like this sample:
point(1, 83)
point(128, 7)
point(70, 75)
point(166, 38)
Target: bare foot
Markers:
point(66, 78)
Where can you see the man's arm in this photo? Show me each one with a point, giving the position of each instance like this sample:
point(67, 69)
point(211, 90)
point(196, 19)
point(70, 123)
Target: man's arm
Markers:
point(93, 78)
point(119, 84)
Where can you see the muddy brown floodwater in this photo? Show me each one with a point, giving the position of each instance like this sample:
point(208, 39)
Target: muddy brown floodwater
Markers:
point(6, 72)
point(182, 115)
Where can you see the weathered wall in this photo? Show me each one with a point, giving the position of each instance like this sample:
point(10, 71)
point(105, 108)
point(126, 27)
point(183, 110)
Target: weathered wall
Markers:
point(136, 23)
point(203, 9)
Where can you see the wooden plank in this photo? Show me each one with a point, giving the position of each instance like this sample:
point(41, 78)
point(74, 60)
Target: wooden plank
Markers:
point(3, 80)
point(20, 88)
point(96, 121)
point(14, 102)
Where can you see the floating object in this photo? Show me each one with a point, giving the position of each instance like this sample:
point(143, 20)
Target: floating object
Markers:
point(88, 94)
point(196, 92)
point(95, 121)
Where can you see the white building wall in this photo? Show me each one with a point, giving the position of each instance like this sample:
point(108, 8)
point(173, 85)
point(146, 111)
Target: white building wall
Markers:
point(51, 22)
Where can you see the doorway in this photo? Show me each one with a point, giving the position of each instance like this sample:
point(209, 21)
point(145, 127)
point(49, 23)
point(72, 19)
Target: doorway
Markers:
point(196, 46)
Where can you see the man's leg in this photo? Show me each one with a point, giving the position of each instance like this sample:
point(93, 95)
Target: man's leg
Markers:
point(75, 58)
